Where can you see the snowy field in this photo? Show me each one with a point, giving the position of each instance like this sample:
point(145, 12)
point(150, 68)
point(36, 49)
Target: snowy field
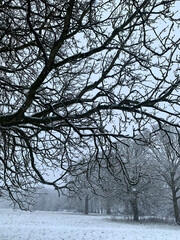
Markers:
point(19, 225)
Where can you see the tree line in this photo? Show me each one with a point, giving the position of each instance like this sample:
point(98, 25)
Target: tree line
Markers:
point(154, 170)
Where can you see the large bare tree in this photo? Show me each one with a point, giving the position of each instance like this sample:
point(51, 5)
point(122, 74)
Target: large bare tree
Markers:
point(77, 75)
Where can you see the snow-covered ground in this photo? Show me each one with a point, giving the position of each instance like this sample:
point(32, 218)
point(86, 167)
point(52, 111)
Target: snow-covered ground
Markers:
point(19, 225)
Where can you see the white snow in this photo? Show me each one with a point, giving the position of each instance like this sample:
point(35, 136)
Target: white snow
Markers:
point(20, 225)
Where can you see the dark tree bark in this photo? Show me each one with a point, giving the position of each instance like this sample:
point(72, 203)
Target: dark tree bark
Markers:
point(86, 209)
point(134, 205)
point(176, 208)
point(108, 207)
point(175, 198)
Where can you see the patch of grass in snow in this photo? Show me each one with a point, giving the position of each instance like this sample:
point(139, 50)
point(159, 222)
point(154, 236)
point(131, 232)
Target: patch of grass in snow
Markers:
point(168, 221)
point(148, 220)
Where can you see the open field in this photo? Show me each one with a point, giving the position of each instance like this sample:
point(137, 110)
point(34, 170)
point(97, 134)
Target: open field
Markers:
point(19, 225)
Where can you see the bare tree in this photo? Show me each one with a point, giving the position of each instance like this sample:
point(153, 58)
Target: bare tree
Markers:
point(74, 77)
point(135, 182)
point(166, 153)
point(126, 178)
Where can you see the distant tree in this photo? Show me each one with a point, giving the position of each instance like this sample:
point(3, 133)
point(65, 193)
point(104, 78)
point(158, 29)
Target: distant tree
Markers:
point(48, 200)
point(135, 158)
point(166, 150)
point(80, 189)
point(130, 180)
point(75, 76)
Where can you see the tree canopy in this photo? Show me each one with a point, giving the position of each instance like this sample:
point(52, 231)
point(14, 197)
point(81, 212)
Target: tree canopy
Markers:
point(77, 76)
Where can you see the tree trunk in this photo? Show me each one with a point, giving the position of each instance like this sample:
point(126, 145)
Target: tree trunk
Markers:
point(86, 210)
point(134, 206)
point(176, 208)
point(108, 207)
point(174, 197)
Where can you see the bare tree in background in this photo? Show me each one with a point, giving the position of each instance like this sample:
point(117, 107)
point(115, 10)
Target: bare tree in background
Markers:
point(134, 183)
point(165, 149)
point(75, 76)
